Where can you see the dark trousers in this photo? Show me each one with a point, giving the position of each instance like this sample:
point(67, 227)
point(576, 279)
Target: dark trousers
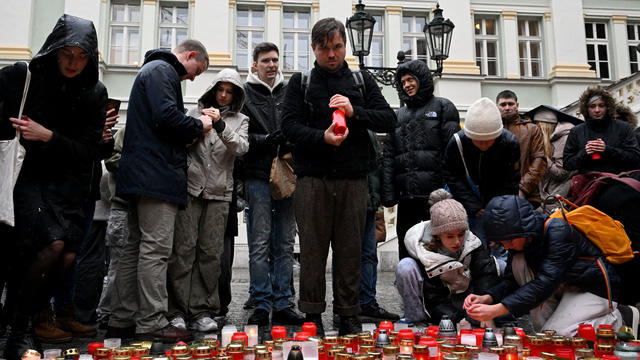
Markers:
point(224, 280)
point(410, 212)
point(330, 212)
point(91, 269)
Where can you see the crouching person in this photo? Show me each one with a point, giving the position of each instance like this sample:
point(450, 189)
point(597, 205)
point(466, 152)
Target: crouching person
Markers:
point(548, 273)
point(447, 263)
point(194, 265)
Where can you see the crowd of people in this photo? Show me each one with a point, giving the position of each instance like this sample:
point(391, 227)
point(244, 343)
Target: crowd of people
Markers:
point(475, 241)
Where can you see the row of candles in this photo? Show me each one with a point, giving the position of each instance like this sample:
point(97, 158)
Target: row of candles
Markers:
point(432, 344)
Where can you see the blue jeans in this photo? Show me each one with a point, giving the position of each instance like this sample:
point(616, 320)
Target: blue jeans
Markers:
point(369, 261)
point(271, 290)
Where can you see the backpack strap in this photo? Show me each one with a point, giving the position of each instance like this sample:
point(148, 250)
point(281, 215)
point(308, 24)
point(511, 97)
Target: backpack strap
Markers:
point(359, 79)
point(305, 80)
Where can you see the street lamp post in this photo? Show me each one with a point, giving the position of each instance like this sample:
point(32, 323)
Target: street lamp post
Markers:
point(438, 33)
point(360, 25)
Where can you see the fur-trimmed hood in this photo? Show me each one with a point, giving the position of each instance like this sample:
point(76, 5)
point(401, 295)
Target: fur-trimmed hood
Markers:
point(609, 101)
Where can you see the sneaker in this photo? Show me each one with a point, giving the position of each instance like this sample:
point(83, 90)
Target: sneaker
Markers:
point(630, 317)
point(249, 304)
point(374, 311)
point(316, 319)
point(259, 317)
point(205, 324)
point(349, 325)
point(286, 316)
point(179, 323)
point(168, 334)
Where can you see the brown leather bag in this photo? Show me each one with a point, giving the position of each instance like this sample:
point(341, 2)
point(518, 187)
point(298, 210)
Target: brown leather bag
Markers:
point(381, 228)
point(282, 180)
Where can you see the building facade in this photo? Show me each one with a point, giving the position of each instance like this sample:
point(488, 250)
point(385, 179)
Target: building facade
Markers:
point(547, 51)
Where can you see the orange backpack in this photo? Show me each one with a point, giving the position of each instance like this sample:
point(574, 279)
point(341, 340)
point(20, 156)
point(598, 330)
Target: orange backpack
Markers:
point(603, 231)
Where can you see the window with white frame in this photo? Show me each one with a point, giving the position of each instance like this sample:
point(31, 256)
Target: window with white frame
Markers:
point(598, 48)
point(124, 34)
point(414, 43)
point(249, 33)
point(173, 26)
point(487, 41)
point(296, 40)
point(530, 47)
point(633, 39)
point(376, 53)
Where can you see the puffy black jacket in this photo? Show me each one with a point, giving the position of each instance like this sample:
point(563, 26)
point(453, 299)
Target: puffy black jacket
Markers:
point(553, 256)
point(621, 153)
point(439, 301)
point(154, 154)
point(263, 106)
point(496, 171)
point(56, 175)
point(414, 151)
point(305, 125)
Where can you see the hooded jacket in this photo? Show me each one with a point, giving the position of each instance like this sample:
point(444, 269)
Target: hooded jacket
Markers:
point(56, 175)
point(556, 179)
point(448, 280)
point(621, 153)
point(414, 150)
point(263, 106)
point(305, 125)
point(533, 163)
point(154, 154)
point(496, 171)
point(553, 255)
point(211, 158)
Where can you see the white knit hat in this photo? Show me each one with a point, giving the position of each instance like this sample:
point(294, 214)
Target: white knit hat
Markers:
point(484, 121)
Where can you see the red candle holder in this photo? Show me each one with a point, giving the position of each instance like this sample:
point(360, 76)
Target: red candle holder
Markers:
point(384, 325)
point(565, 352)
point(278, 332)
point(240, 336)
point(310, 328)
point(93, 346)
point(479, 335)
point(406, 334)
point(302, 336)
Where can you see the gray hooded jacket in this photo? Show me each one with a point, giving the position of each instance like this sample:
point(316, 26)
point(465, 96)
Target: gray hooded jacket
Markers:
point(210, 158)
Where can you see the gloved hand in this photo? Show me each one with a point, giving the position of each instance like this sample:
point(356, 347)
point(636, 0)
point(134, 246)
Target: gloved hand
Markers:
point(275, 138)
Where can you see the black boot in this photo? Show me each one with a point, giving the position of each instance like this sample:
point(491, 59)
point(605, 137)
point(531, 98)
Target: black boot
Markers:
point(349, 325)
point(316, 319)
point(20, 341)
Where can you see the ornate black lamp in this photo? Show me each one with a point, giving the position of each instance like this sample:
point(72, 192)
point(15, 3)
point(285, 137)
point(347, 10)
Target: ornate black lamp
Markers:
point(360, 27)
point(438, 33)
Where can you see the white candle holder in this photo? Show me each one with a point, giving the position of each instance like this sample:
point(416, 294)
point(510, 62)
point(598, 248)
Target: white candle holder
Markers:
point(252, 334)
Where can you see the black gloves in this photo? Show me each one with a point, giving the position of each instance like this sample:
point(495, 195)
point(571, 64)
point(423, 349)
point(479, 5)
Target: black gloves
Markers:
point(275, 138)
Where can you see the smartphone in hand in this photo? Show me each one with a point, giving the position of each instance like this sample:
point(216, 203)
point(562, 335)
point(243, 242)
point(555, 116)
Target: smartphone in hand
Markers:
point(113, 104)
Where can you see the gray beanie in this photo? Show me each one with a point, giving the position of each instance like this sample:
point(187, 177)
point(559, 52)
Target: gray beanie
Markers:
point(446, 214)
point(484, 121)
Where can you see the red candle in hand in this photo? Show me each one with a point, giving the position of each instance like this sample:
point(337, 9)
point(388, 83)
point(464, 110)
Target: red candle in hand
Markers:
point(340, 121)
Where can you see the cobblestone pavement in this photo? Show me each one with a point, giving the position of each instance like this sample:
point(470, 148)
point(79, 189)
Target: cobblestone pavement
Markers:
point(387, 297)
